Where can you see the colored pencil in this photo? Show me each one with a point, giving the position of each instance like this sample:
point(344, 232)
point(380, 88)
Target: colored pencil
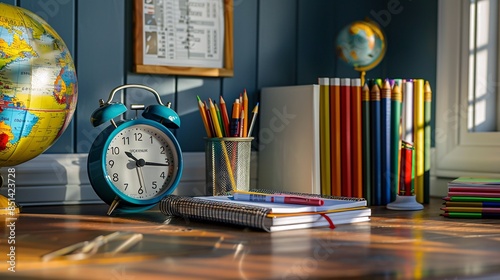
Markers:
point(357, 139)
point(427, 140)
point(396, 100)
point(419, 141)
point(477, 194)
point(235, 119)
point(242, 123)
point(471, 215)
point(324, 121)
point(490, 189)
point(471, 209)
point(345, 136)
point(219, 119)
point(245, 117)
point(203, 114)
point(472, 204)
point(215, 118)
point(385, 140)
point(375, 148)
point(335, 159)
point(225, 116)
point(367, 180)
point(209, 120)
point(471, 199)
point(255, 111)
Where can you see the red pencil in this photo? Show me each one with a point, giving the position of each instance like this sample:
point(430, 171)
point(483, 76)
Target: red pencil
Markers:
point(209, 120)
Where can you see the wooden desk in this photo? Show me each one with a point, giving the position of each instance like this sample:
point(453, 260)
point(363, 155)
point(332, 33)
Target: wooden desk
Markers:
point(393, 245)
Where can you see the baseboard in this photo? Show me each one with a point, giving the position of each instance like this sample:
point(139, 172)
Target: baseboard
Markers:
point(55, 179)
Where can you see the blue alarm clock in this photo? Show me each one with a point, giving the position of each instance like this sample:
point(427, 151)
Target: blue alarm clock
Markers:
point(134, 163)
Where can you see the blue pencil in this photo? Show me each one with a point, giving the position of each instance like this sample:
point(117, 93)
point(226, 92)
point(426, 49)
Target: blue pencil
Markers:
point(376, 145)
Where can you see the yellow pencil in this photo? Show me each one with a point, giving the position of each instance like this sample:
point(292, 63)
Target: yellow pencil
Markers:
point(223, 143)
point(245, 109)
point(201, 106)
point(418, 124)
point(215, 119)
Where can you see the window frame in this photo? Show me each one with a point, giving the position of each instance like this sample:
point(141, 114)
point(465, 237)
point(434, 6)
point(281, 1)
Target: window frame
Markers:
point(458, 152)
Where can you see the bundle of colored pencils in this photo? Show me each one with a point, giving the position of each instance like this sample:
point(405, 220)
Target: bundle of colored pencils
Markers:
point(362, 128)
point(216, 118)
point(472, 198)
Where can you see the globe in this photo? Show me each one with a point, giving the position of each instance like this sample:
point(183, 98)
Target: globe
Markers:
point(361, 44)
point(38, 85)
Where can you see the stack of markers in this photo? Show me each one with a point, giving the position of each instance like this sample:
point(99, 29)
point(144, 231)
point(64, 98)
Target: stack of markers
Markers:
point(216, 118)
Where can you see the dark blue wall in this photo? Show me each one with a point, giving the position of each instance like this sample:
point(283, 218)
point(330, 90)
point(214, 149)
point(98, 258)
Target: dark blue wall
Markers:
point(276, 43)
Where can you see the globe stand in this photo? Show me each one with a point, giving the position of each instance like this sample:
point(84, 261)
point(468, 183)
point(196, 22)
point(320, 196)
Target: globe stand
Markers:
point(7, 207)
point(362, 75)
point(408, 202)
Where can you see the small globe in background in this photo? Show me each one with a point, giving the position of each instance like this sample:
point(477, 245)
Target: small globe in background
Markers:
point(38, 85)
point(361, 44)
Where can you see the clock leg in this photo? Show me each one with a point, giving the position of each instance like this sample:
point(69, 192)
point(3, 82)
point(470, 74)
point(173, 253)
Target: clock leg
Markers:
point(113, 205)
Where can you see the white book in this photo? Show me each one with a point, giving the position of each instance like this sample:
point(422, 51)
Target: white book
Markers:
point(289, 156)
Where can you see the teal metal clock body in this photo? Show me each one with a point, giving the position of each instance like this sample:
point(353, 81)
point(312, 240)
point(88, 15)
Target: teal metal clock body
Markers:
point(133, 164)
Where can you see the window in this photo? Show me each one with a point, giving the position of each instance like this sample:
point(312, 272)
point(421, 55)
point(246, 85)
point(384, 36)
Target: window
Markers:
point(466, 137)
point(482, 64)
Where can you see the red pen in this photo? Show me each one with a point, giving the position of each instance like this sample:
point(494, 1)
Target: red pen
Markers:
point(287, 199)
point(303, 200)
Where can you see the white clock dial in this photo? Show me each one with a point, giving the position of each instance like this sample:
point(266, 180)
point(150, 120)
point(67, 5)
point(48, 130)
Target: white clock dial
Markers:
point(141, 161)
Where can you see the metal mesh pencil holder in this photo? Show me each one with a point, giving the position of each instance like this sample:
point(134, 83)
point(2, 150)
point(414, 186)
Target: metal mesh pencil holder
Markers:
point(227, 162)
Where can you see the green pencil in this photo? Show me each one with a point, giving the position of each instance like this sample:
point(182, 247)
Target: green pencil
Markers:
point(471, 215)
point(471, 198)
point(366, 143)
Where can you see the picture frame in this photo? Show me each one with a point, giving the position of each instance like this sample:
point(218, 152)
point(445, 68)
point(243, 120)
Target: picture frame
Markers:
point(166, 60)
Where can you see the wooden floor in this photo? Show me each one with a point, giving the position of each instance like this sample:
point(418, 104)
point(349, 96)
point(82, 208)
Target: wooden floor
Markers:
point(393, 245)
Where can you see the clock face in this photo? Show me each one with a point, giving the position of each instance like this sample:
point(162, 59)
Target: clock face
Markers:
point(141, 161)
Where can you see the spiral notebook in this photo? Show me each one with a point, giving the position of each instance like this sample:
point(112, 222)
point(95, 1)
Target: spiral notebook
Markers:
point(270, 217)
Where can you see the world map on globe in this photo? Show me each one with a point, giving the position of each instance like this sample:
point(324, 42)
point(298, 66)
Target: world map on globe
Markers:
point(38, 85)
point(361, 44)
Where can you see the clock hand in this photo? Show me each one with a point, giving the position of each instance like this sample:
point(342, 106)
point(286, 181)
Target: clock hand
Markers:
point(156, 164)
point(141, 178)
point(130, 155)
point(138, 162)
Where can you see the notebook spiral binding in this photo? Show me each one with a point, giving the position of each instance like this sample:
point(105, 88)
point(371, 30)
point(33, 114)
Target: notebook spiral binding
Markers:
point(222, 212)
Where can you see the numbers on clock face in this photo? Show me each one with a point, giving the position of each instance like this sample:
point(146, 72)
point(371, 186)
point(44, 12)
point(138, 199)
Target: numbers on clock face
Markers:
point(141, 161)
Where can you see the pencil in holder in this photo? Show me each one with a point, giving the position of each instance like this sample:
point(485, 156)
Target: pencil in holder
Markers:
point(227, 162)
